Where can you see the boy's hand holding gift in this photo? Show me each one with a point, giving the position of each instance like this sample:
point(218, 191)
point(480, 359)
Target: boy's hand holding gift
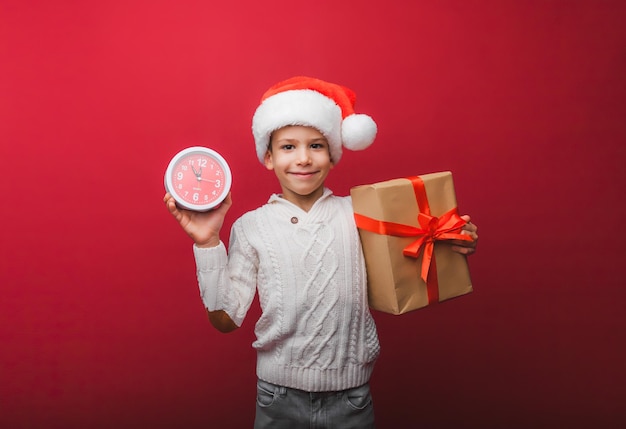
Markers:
point(466, 247)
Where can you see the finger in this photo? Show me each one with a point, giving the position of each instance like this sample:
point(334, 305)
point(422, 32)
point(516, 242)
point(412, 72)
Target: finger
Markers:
point(225, 205)
point(229, 199)
point(463, 250)
point(463, 243)
point(469, 227)
point(471, 232)
point(173, 208)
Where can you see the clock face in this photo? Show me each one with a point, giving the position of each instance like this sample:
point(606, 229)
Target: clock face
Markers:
point(198, 178)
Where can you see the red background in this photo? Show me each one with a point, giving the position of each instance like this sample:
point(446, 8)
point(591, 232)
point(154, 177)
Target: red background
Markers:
point(101, 324)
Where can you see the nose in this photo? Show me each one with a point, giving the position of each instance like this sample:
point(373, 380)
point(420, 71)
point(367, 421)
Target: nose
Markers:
point(304, 157)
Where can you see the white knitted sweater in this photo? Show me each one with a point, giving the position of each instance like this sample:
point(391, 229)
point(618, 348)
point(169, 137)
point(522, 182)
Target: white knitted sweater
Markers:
point(315, 332)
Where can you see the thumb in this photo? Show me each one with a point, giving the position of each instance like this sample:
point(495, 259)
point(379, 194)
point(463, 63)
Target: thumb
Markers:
point(225, 205)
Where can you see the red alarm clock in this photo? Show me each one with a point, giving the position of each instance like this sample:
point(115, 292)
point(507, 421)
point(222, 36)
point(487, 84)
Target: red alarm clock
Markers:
point(198, 178)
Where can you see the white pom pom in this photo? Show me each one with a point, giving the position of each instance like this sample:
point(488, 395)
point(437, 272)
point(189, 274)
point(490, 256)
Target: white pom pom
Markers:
point(358, 131)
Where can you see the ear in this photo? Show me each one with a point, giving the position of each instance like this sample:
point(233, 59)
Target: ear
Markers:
point(268, 161)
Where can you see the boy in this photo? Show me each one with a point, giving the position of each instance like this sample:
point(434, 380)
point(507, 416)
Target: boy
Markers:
point(316, 340)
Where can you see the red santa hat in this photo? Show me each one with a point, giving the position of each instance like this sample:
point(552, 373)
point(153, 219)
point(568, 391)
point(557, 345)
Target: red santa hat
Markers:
point(307, 101)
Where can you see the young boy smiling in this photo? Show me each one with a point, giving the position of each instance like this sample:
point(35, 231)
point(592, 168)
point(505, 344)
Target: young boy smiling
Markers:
point(300, 159)
point(316, 340)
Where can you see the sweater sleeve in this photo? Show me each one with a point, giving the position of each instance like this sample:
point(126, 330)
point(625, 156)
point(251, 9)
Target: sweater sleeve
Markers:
point(227, 281)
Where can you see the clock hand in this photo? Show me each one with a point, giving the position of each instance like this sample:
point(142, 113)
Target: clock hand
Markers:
point(196, 173)
point(206, 180)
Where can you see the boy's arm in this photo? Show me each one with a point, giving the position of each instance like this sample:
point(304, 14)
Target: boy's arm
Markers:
point(204, 229)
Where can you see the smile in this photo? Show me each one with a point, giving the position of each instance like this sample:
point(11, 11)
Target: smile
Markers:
point(303, 173)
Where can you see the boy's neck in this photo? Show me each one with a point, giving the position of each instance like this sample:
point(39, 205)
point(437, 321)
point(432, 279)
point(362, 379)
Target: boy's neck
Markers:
point(305, 202)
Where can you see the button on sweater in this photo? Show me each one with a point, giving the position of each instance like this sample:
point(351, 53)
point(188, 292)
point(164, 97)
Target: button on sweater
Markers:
point(315, 332)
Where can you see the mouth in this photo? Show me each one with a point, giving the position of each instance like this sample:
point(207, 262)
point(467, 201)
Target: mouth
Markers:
point(303, 174)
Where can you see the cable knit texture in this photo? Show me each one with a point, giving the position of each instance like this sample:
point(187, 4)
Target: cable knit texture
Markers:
point(315, 332)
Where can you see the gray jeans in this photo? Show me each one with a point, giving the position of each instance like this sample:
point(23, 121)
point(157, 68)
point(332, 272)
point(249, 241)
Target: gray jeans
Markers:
point(280, 407)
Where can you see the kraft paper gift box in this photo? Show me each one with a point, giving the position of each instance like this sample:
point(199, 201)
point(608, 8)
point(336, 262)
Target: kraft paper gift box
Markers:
point(405, 227)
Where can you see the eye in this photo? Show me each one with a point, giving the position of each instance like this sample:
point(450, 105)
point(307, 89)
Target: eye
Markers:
point(287, 147)
point(318, 145)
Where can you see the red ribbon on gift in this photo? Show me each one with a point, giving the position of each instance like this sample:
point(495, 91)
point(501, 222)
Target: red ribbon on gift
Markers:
point(445, 227)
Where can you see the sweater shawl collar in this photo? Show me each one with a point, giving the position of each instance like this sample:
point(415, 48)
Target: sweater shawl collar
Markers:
point(278, 199)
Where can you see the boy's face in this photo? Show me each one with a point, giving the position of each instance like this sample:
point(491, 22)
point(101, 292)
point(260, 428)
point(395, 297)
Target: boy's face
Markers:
point(300, 158)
